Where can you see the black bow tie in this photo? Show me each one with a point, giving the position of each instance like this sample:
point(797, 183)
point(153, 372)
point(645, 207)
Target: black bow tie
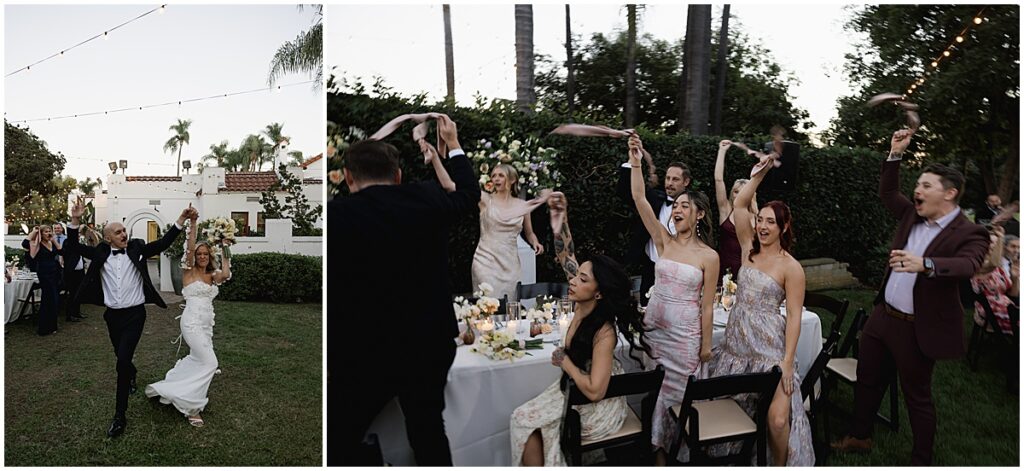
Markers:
point(118, 251)
point(669, 200)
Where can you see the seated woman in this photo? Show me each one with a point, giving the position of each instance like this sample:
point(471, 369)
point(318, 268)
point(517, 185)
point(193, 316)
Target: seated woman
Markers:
point(604, 309)
point(998, 285)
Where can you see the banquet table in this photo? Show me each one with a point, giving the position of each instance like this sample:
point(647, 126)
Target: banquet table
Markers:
point(15, 292)
point(482, 393)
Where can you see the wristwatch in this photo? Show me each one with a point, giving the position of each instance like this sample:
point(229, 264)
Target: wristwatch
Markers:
point(929, 267)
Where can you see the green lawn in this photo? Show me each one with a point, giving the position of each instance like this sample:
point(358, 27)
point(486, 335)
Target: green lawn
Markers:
point(978, 420)
point(265, 407)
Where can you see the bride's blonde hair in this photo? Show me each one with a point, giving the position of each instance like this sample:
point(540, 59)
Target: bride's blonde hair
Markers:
point(210, 267)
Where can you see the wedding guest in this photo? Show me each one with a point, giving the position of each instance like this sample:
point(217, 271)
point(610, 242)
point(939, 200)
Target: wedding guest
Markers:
point(641, 250)
point(998, 285)
point(496, 260)
point(74, 273)
point(993, 206)
point(58, 233)
point(604, 310)
point(391, 319)
point(917, 318)
point(728, 245)
point(118, 278)
point(757, 337)
point(43, 251)
point(680, 311)
point(1011, 251)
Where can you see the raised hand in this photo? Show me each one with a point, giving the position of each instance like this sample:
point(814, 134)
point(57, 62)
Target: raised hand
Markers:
point(77, 210)
point(449, 131)
point(900, 141)
point(724, 144)
point(557, 206)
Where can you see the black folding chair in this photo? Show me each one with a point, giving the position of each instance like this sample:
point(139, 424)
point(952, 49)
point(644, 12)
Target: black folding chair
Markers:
point(710, 415)
point(990, 334)
point(843, 368)
point(531, 291)
point(635, 432)
point(811, 392)
point(837, 307)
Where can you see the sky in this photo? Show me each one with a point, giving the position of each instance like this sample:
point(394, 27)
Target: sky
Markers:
point(405, 44)
point(189, 51)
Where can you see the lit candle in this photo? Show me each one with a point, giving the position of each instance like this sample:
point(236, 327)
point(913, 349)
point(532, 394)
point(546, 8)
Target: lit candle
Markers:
point(486, 326)
point(512, 326)
point(563, 326)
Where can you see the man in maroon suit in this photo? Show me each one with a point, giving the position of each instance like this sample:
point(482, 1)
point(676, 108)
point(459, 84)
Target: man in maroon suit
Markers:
point(917, 317)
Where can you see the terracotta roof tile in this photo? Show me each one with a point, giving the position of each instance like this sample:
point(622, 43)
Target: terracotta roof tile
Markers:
point(152, 179)
point(249, 181)
point(310, 161)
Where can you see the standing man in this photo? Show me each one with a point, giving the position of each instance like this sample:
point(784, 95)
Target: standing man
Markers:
point(641, 250)
point(74, 272)
point(391, 323)
point(119, 279)
point(917, 317)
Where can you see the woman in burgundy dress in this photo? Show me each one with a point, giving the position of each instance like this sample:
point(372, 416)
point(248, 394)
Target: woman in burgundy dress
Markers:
point(728, 245)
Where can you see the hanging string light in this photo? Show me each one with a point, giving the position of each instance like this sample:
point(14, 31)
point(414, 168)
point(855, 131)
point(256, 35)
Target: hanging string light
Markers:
point(977, 19)
point(105, 34)
point(157, 105)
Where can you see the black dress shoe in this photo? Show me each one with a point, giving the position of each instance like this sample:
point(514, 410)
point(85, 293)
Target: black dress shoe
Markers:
point(78, 316)
point(72, 319)
point(117, 427)
point(131, 387)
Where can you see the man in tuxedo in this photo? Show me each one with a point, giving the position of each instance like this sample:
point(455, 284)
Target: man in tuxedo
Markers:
point(74, 272)
point(119, 279)
point(917, 317)
point(641, 250)
point(992, 207)
point(391, 324)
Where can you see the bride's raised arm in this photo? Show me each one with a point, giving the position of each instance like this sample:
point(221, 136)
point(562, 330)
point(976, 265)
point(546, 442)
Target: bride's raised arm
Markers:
point(190, 249)
point(224, 274)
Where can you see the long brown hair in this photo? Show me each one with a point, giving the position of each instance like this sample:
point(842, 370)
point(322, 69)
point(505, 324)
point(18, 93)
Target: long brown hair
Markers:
point(210, 267)
point(784, 219)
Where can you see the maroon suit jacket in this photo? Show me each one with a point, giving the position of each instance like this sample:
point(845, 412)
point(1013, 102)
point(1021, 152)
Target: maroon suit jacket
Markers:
point(957, 252)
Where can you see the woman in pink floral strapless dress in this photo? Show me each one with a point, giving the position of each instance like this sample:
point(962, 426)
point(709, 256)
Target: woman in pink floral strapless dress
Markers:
point(679, 313)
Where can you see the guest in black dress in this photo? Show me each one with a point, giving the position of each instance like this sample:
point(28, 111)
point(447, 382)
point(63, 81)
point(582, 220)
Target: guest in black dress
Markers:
point(43, 250)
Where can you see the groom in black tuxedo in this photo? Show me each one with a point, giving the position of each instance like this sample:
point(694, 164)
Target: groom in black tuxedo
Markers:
point(391, 326)
point(641, 250)
point(119, 279)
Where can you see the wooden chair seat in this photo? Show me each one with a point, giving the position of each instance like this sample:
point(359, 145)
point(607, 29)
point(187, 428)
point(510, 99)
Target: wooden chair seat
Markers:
point(720, 418)
point(845, 367)
point(629, 427)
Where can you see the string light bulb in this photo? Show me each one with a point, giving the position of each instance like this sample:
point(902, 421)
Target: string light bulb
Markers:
point(913, 87)
point(945, 53)
point(909, 92)
point(106, 34)
point(935, 64)
point(959, 39)
point(162, 9)
point(977, 20)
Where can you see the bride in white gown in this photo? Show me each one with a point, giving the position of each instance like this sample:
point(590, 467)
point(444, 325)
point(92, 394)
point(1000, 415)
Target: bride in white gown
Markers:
point(185, 386)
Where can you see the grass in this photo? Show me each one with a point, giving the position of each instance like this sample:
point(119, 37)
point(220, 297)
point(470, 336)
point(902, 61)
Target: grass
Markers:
point(265, 406)
point(978, 420)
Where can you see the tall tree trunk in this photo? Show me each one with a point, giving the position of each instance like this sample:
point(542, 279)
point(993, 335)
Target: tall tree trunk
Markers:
point(570, 80)
point(177, 169)
point(1011, 168)
point(449, 54)
point(681, 96)
point(630, 117)
point(698, 70)
point(526, 97)
point(723, 67)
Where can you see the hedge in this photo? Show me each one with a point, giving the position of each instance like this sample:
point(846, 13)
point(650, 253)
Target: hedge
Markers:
point(274, 277)
point(836, 207)
point(10, 252)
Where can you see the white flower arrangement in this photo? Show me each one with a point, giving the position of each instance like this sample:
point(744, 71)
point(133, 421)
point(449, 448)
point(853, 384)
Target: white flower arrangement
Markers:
point(500, 345)
point(535, 164)
point(540, 315)
point(221, 232)
point(484, 306)
point(728, 286)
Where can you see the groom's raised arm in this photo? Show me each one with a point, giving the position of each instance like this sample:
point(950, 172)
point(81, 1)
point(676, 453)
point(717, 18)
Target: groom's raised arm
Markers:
point(157, 246)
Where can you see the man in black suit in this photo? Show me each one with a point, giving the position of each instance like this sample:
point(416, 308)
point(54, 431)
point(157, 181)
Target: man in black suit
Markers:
point(992, 207)
point(391, 326)
point(119, 279)
point(74, 272)
point(641, 250)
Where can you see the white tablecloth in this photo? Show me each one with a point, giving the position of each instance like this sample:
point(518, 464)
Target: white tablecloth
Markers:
point(14, 292)
point(481, 395)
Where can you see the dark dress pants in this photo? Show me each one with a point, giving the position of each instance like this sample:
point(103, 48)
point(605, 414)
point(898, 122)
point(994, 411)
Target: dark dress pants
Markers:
point(887, 343)
point(360, 393)
point(125, 329)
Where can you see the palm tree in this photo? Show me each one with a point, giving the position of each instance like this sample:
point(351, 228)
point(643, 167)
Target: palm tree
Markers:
point(723, 66)
point(274, 132)
point(296, 158)
point(87, 186)
point(235, 160)
point(304, 54)
point(449, 53)
point(218, 153)
point(255, 151)
point(178, 141)
point(570, 79)
point(630, 118)
point(697, 69)
point(526, 97)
